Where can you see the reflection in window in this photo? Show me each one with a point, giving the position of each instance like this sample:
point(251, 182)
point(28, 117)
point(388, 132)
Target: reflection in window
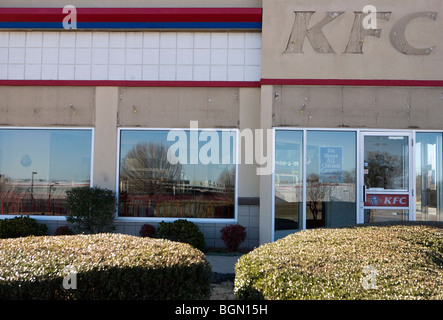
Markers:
point(38, 166)
point(387, 162)
point(382, 215)
point(197, 180)
point(330, 178)
point(330, 183)
point(428, 161)
point(288, 182)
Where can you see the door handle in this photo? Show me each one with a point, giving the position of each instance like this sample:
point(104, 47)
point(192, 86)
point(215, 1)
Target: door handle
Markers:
point(364, 193)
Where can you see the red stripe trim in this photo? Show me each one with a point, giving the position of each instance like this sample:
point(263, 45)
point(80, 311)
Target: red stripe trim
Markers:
point(126, 83)
point(353, 82)
point(134, 14)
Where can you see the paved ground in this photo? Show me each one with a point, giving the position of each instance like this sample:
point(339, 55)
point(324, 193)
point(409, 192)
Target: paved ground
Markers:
point(223, 268)
point(222, 263)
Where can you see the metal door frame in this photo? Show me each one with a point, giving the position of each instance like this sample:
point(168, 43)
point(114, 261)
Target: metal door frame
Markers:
point(360, 169)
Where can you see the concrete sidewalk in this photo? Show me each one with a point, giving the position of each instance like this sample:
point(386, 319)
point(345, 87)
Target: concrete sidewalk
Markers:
point(222, 263)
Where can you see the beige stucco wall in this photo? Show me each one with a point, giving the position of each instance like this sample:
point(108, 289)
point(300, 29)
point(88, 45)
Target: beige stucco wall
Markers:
point(47, 106)
point(352, 106)
point(379, 59)
point(249, 116)
point(267, 95)
point(105, 138)
point(358, 107)
point(159, 107)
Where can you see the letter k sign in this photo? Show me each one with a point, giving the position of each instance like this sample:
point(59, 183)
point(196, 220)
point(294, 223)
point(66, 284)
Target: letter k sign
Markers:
point(314, 34)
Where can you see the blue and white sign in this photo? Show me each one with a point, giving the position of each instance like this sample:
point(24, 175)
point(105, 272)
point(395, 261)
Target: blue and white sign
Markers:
point(374, 200)
point(331, 164)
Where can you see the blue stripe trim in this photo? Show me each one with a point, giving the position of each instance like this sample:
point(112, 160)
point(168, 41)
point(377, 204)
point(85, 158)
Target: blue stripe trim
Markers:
point(134, 25)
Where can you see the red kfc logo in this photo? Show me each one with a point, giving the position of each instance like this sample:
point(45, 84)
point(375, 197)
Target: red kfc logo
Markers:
point(387, 200)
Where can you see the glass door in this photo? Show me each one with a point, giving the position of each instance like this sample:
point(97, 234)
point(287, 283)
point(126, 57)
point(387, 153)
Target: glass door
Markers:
point(288, 182)
point(429, 176)
point(386, 184)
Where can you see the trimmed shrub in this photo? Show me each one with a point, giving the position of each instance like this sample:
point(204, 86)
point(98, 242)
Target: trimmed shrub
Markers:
point(21, 227)
point(91, 210)
point(233, 235)
point(182, 231)
point(64, 231)
point(105, 266)
point(147, 230)
point(375, 262)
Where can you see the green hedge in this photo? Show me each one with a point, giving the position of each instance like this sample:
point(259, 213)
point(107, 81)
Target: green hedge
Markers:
point(384, 261)
point(183, 231)
point(108, 266)
point(91, 209)
point(21, 227)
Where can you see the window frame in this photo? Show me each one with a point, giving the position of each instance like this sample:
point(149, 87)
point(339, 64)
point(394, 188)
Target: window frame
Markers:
point(91, 184)
point(171, 219)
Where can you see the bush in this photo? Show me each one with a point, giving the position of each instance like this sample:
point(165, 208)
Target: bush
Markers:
point(233, 235)
point(147, 230)
point(182, 231)
point(376, 262)
point(91, 210)
point(21, 227)
point(64, 231)
point(107, 266)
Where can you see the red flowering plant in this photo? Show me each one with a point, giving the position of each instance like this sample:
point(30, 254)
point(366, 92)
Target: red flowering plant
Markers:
point(233, 235)
point(147, 230)
point(64, 231)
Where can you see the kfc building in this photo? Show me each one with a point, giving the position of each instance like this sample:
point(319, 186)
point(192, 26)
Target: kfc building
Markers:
point(277, 115)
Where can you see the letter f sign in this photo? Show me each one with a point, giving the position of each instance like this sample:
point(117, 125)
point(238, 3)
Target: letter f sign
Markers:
point(314, 34)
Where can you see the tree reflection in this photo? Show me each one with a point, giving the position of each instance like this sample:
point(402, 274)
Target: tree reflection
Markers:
point(146, 170)
point(316, 193)
point(382, 167)
point(150, 185)
point(227, 180)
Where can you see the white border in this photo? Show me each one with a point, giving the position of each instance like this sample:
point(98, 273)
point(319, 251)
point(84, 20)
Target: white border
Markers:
point(171, 219)
point(92, 130)
point(359, 194)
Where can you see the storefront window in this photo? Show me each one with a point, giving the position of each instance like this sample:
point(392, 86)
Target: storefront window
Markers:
point(330, 179)
point(288, 182)
point(38, 166)
point(428, 174)
point(326, 195)
point(177, 174)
